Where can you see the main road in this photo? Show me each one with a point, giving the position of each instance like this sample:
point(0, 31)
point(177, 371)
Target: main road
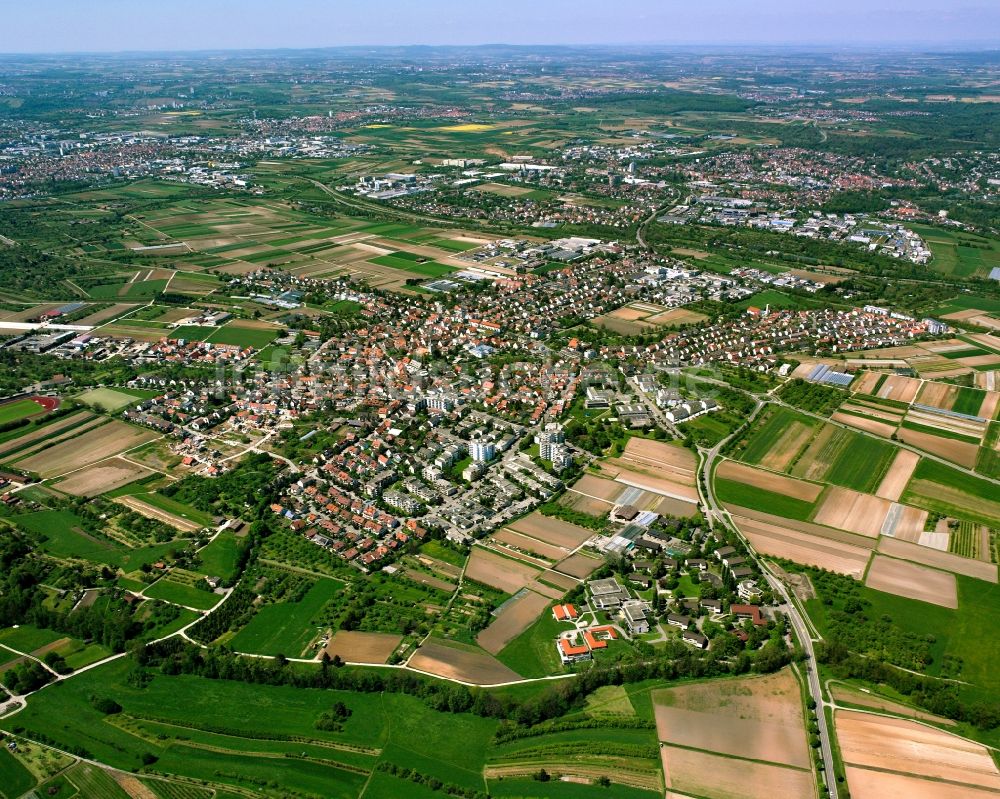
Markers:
point(714, 512)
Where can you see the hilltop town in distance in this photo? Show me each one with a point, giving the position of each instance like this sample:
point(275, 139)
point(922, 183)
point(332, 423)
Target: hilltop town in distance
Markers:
point(500, 422)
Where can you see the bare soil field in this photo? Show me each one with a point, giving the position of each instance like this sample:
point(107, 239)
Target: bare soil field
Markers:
point(907, 523)
point(903, 578)
point(584, 504)
point(648, 454)
point(513, 539)
point(629, 313)
point(899, 474)
point(552, 530)
point(106, 476)
point(938, 560)
point(428, 579)
point(989, 407)
point(768, 481)
point(579, 565)
point(359, 647)
point(46, 441)
point(465, 665)
point(676, 507)
point(900, 745)
point(938, 395)
point(900, 388)
point(510, 576)
point(45, 432)
point(677, 489)
point(843, 693)
point(510, 552)
point(867, 425)
point(677, 317)
point(867, 784)
point(850, 510)
point(758, 718)
point(783, 542)
point(718, 777)
point(184, 525)
point(91, 447)
point(514, 619)
point(963, 453)
point(594, 486)
point(866, 383)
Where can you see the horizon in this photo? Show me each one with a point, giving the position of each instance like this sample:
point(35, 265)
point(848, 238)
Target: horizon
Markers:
point(94, 27)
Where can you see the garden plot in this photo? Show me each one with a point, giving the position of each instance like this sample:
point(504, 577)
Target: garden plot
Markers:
point(909, 580)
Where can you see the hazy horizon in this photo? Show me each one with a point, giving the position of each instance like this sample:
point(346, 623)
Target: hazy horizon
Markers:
point(119, 26)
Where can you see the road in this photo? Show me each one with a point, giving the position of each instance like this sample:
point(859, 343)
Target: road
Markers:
point(718, 515)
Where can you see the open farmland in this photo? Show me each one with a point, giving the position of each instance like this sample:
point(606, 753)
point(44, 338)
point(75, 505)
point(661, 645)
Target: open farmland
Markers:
point(497, 571)
point(90, 447)
point(139, 505)
point(769, 481)
point(513, 618)
point(900, 757)
point(776, 440)
point(100, 478)
point(552, 530)
point(899, 474)
point(941, 489)
point(287, 627)
point(360, 647)
point(938, 559)
point(910, 580)
point(44, 431)
point(849, 510)
point(742, 738)
point(773, 538)
point(454, 661)
point(757, 719)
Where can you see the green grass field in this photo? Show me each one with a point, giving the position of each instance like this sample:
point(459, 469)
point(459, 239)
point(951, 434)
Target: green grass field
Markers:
point(140, 289)
point(733, 493)
point(942, 489)
point(15, 779)
point(177, 508)
point(969, 400)
point(27, 638)
point(181, 593)
point(966, 302)
point(19, 409)
point(109, 399)
point(533, 652)
point(959, 253)
point(240, 336)
point(286, 627)
point(862, 464)
point(219, 557)
point(178, 720)
point(428, 268)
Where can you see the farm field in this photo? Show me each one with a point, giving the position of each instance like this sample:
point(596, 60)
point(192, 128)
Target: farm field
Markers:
point(219, 557)
point(179, 590)
point(776, 439)
point(360, 647)
point(498, 571)
point(15, 779)
point(551, 530)
point(90, 447)
point(735, 738)
point(454, 661)
point(879, 750)
point(101, 478)
point(515, 616)
point(777, 540)
point(910, 580)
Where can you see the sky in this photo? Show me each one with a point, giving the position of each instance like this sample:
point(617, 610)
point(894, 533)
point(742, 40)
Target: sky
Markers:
point(130, 25)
